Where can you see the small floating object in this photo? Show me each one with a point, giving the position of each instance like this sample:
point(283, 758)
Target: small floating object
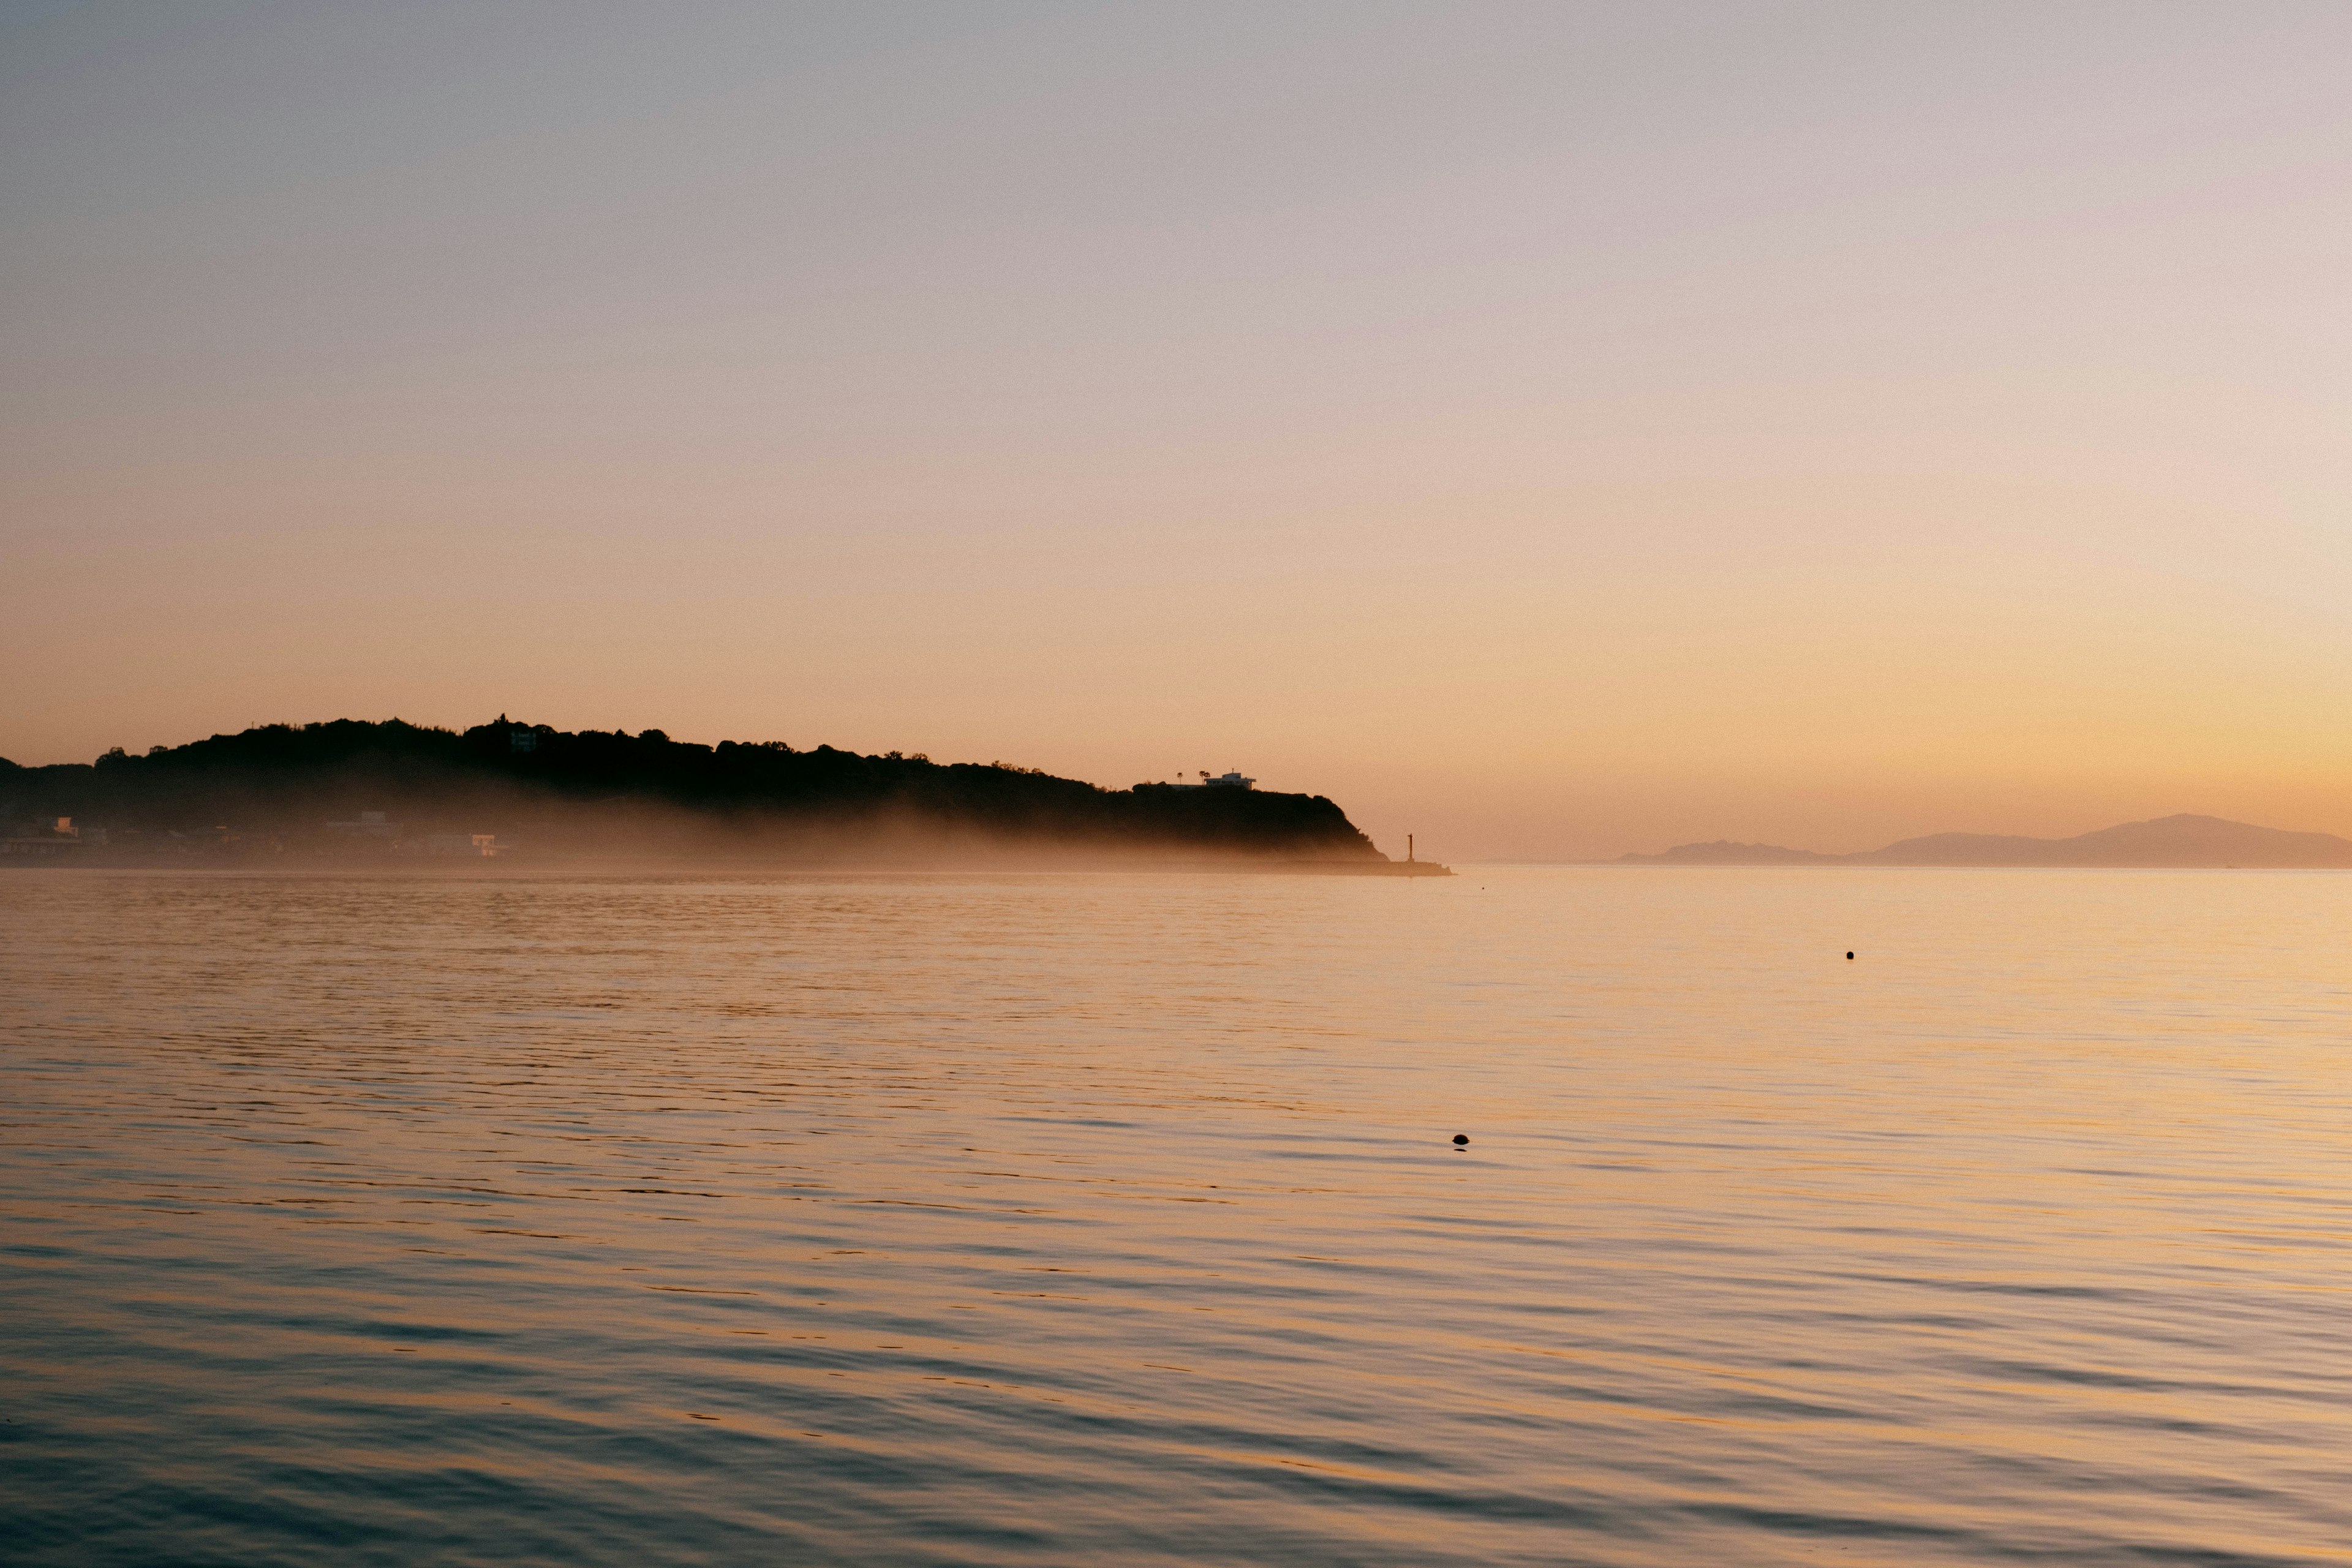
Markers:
point(1849, 955)
point(1460, 1139)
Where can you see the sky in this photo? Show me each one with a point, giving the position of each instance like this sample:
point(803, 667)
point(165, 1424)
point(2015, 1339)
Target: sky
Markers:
point(1549, 429)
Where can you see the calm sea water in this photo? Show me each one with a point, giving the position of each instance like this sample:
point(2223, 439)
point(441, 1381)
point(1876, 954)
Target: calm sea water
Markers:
point(1114, 1219)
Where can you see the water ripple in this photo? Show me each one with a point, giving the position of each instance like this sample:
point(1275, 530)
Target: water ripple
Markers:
point(1081, 1219)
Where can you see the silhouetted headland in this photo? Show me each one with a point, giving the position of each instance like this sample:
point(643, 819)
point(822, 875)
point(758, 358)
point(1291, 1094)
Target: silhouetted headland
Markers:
point(355, 793)
point(2184, 841)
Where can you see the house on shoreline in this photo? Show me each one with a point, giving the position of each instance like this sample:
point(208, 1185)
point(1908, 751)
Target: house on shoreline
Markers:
point(57, 841)
point(376, 828)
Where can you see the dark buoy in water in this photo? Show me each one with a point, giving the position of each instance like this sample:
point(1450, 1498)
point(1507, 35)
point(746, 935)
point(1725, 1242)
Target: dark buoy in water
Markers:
point(1849, 955)
point(1460, 1139)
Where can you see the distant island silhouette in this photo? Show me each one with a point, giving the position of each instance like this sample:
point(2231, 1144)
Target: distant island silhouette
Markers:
point(361, 793)
point(2185, 841)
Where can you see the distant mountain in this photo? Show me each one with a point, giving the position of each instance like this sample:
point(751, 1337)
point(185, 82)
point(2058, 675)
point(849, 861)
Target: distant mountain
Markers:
point(1724, 852)
point(2185, 840)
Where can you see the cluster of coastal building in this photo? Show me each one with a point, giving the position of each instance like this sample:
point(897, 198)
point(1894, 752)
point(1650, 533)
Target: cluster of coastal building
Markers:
point(48, 840)
point(59, 840)
point(371, 828)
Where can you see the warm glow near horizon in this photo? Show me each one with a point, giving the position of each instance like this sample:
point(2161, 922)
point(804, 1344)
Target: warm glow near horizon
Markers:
point(1550, 430)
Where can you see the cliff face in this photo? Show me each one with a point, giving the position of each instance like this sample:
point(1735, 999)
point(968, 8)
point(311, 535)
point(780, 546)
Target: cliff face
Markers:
point(580, 791)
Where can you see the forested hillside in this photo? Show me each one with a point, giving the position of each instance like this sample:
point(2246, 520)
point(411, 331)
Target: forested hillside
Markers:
point(281, 785)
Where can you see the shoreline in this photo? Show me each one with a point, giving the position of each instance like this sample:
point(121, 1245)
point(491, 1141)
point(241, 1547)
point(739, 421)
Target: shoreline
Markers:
point(502, 868)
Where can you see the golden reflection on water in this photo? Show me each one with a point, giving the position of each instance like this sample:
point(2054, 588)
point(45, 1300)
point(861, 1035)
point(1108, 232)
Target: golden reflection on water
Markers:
point(1091, 1218)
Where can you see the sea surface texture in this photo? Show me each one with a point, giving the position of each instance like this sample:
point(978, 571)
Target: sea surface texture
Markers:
point(1096, 1219)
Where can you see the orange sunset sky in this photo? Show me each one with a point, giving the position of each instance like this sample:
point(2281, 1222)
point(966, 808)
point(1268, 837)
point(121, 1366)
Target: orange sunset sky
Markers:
point(1549, 429)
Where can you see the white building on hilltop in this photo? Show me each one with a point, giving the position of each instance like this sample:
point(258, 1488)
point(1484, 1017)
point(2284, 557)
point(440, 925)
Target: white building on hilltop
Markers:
point(1222, 781)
